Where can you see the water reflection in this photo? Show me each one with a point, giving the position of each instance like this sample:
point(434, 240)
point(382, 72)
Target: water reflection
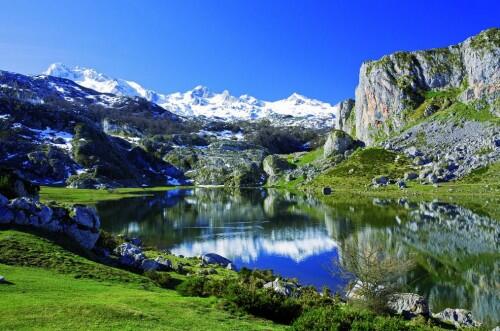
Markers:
point(457, 251)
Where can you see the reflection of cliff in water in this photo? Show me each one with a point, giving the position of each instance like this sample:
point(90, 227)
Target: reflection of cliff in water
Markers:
point(457, 251)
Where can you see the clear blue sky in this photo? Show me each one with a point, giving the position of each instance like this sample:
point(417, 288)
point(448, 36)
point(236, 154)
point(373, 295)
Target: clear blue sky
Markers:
point(267, 48)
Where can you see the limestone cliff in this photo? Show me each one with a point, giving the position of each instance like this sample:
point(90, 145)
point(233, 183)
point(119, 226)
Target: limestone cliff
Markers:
point(391, 88)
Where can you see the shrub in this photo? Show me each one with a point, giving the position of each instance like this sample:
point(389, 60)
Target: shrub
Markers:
point(335, 317)
point(162, 279)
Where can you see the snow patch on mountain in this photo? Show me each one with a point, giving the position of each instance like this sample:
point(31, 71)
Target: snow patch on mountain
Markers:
point(201, 102)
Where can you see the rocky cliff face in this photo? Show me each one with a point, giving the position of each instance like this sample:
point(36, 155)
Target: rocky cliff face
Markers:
point(391, 88)
point(345, 119)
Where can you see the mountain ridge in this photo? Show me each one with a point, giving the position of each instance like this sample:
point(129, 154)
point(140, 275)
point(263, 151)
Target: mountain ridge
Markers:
point(202, 102)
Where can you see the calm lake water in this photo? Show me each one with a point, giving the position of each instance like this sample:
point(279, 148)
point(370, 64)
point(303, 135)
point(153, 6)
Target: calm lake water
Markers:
point(457, 251)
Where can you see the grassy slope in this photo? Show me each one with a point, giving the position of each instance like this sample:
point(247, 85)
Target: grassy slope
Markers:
point(54, 289)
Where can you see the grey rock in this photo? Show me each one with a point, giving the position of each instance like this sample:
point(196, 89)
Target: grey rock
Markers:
point(86, 216)
point(345, 120)
point(380, 180)
point(23, 204)
point(410, 176)
point(212, 258)
point(408, 304)
point(85, 239)
point(389, 87)
point(6, 215)
point(2, 279)
point(401, 184)
point(337, 143)
point(164, 264)
point(149, 265)
point(3, 200)
point(413, 152)
point(130, 255)
point(283, 288)
point(274, 165)
point(458, 317)
point(45, 214)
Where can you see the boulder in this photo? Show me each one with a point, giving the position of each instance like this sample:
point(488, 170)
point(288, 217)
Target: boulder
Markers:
point(84, 238)
point(413, 152)
point(327, 190)
point(274, 165)
point(283, 288)
point(408, 305)
point(401, 184)
point(23, 204)
point(44, 214)
point(410, 176)
point(130, 255)
point(337, 143)
point(2, 279)
point(86, 217)
point(150, 265)
point(3, 200)
point(380, 181)
point(164, 264)
point(6, 215)
point(212, 258)
point(458, 317)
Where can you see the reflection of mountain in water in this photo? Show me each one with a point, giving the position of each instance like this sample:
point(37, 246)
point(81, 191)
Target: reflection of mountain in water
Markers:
point(457, 251)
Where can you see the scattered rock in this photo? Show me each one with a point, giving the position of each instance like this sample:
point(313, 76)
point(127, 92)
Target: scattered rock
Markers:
point(380, 181)
point(458, 317)
point(410, 176)
point(164, 264)
point(408, 305)
point(212, 258)
point(130, 255)
point(284, 288)
point(401, 184)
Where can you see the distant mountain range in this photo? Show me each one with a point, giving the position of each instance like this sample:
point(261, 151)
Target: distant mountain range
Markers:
point(200, 101)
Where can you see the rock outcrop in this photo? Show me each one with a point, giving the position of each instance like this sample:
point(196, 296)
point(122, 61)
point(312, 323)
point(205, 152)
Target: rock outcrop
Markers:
point(408, 305)
point(337, 143)
point(79, 223)
point(345, 119)
point(391, 88)
point(460, 318)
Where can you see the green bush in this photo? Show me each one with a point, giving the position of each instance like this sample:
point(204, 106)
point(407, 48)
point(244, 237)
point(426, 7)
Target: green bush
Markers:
point(336, 317)
point(162, 279)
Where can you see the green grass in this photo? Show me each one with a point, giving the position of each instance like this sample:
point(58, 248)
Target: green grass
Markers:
point(309, 157)
point(54, 289)
point(356, 172)
point(90, 196)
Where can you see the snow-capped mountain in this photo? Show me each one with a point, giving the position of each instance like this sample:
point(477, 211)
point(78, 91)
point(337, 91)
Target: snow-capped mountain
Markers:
point(200, 101)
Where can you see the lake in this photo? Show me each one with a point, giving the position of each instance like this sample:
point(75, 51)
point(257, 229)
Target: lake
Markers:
point(457, 251)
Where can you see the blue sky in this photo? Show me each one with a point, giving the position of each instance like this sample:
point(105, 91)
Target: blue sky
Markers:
point(267, 48)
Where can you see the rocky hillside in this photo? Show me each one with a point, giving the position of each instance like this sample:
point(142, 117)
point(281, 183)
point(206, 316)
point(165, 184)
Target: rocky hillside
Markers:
point(51, 129)
point(391, 89)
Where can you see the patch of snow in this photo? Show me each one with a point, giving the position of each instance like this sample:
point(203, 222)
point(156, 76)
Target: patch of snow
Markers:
point(200, 101)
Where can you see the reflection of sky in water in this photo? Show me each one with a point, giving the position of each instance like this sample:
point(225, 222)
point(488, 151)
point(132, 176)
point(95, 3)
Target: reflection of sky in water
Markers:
point(249, 247)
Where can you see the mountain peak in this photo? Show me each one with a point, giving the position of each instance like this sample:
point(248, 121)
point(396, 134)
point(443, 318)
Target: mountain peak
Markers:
point(200, 101)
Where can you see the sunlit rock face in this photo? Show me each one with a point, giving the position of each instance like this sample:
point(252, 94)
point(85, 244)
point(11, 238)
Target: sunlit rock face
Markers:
point(394, 85)
point(456, 250)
